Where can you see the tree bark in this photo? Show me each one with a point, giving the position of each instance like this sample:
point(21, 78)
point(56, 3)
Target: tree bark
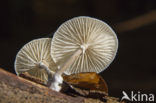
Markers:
point(14, 89)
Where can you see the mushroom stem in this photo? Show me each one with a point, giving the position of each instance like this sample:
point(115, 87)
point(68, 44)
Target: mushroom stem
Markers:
point(70, 61)
point(50, 73)
point(57, 78)
point(45, 67)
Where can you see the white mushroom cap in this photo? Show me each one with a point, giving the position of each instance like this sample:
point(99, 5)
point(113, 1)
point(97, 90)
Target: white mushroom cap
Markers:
point(97, 40)
point(33, 57)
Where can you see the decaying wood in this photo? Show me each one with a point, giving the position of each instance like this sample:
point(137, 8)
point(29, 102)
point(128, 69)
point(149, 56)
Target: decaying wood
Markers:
point(14, 89)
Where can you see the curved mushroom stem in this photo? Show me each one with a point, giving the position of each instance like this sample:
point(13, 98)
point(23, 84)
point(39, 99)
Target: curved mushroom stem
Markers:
point(57, 78)
point(53, 79)
point(45, 67)
point(50, 73)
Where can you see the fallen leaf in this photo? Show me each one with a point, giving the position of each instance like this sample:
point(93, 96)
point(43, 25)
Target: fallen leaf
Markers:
point(89, 81)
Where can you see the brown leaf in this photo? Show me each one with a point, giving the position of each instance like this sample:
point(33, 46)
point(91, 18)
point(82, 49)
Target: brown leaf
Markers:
point(89, 80)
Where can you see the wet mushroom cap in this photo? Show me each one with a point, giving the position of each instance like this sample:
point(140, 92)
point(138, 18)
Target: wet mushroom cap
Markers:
point(84, 32)
point(31, 54)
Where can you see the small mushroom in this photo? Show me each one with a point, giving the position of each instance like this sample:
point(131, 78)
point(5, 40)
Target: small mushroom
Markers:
point(34, 58)
point(82, 44)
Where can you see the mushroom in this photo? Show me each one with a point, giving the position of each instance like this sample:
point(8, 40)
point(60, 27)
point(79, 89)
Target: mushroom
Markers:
point(34, 58)
point(82, 44)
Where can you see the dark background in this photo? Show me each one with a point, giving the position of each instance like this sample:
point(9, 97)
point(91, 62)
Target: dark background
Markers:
point(134, 68)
